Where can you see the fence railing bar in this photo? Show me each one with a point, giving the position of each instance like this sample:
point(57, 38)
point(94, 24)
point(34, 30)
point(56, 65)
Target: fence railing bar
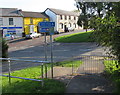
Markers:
point(94, 56)
point(21, 78)
point(36, 61)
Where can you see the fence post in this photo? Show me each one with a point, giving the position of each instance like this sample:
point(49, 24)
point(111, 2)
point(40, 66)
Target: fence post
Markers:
point(51, 56)
point(42, 70)
point(45, 49)
point(45, 70)
point(72, 68)
point(42, 83)
point(9, 72)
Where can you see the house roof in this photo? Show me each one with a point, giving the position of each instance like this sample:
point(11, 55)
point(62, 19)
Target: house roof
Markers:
point(10, 12)
point(34, 14)
point(63, 12)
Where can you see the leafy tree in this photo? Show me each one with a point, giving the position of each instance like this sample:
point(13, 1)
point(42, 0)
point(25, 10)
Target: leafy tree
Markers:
point(83, 18)
point(90, 10)
point(104, 18)
point(107, 33)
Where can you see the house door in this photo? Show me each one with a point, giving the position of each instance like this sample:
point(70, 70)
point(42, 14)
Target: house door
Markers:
point(65, 28)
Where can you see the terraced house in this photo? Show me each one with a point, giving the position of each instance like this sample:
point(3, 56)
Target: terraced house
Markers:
point(31, 20)
point(11, 22)
point(63, 19)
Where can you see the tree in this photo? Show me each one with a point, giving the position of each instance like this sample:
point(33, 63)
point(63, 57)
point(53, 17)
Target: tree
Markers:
point(83, 18)
point(90, 10)
point(104, 18)
point(107, 33)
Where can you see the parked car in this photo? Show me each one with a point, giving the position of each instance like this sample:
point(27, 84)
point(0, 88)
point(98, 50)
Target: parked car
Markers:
point(9, 37)
point(33, 35)
point(70, 28)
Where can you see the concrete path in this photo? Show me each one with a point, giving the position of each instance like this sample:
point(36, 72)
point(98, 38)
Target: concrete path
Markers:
point(60, 71)
point(89, 84)
point(91, 65)
point(90, 79)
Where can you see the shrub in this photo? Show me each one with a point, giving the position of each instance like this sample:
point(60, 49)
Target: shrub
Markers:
point(4, 47)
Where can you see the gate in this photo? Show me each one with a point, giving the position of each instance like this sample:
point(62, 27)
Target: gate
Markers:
point(79, 65)
point(92, 64)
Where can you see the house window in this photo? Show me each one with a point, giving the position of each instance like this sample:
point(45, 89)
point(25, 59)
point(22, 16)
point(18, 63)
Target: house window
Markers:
point(11, 21)
point(31, 21)
point(1, 21)
point(61, 17)
point(74, 25)
point(70, 25)
point(65, 17)
point(74, 18)
point(61, 26)
point(69, 17)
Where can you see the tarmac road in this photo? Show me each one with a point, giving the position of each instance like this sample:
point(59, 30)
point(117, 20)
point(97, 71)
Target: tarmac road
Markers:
point(33, 49)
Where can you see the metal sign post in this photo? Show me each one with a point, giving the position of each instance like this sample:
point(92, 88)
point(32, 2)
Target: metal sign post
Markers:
point(48, 27)
point(45, 49)
point(51, 51)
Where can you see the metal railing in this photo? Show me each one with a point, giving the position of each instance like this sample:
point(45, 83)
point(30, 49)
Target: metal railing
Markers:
point(21, 60)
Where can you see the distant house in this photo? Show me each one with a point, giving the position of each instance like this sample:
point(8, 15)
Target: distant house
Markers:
point(11, 22)
point(31, 20)
point(63, 19)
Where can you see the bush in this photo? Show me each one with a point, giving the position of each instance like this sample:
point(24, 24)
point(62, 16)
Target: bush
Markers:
point(4, 48)
point(113, 73)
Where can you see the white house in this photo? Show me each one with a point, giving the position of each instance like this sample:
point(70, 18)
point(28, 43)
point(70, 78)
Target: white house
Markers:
point(63, 19)
point(11, 22)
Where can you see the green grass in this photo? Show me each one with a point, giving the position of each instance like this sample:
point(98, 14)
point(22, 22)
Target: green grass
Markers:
point(113, 73)
point(75, 38)
point(27, 86)
point(69, 63)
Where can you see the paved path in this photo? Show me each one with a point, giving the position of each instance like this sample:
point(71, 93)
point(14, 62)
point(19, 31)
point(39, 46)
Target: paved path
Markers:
point(93, 82)
point(89, 84)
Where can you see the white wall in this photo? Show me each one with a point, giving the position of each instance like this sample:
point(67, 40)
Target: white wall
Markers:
point(56, 18)
point(17, 21)
point(68, 21)
point(53, 18)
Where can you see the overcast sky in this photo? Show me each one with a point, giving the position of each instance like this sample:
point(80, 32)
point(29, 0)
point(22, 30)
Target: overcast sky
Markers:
point(38, 5)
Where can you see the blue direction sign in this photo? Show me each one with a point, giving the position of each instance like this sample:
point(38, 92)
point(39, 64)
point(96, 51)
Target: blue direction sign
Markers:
point(44, 29)
point(46, 24)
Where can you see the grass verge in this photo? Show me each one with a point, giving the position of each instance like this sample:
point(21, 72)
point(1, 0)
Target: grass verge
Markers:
point(27, 86)
point(75, 38)
point(114, 73)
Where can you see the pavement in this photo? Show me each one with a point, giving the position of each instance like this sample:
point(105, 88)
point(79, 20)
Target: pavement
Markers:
point(89, 84)
point(87, 80)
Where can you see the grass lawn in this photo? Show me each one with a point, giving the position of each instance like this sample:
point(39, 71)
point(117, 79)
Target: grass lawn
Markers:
point(114, 73)
point(27, 86)
point(75, 38)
